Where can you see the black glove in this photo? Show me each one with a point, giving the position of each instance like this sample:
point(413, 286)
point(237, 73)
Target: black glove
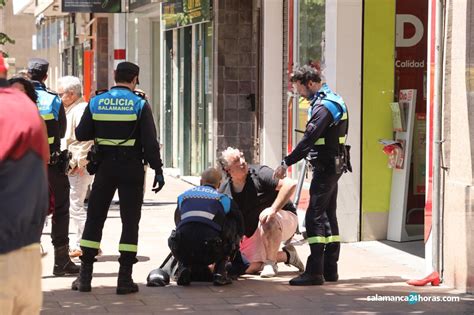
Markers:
point(160, 180)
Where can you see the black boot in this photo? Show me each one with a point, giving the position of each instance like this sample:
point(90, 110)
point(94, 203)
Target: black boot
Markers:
point(331, 256)
point(184, 275)
point(125, 284)
point(221, 276)
point(201, 273)
point(313, 274)
point(62, 262)
point(307, 279)
point(83, 282)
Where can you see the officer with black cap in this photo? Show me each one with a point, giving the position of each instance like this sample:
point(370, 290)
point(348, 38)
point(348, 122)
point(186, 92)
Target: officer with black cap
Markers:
point(121, 124)
point(52, 110)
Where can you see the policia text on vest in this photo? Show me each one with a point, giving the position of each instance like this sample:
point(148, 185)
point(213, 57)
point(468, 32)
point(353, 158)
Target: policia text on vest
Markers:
point(122, 127)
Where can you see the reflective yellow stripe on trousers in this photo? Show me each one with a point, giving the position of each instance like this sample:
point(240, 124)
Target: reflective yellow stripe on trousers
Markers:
point(128, 248)
point(324, 240)
point(90, 244)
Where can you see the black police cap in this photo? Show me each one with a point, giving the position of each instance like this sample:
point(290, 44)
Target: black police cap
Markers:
point(38, 65)
point(128, 67)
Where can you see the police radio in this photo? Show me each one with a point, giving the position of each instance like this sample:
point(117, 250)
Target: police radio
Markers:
point(94, 158)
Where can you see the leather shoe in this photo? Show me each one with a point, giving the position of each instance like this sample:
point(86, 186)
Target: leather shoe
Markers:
point(331, 277)
point(220, 279)
point(307, 279)
point(184, 276)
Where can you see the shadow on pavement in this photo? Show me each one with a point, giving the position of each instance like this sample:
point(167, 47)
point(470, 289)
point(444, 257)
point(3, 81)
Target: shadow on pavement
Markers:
point(416, 248)
point(116, 257)
point(98, 274)
point(146, 203)
point(252, 295)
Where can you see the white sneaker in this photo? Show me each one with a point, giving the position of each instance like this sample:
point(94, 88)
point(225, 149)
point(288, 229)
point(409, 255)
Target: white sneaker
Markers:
point(269, 270)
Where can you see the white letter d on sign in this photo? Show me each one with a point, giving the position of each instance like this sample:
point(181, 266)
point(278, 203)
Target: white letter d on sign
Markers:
point(401, 41)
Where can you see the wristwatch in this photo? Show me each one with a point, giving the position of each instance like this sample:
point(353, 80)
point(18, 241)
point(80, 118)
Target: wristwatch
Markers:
point(283, 164)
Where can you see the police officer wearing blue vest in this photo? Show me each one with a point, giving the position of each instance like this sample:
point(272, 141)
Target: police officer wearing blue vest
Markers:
point(52, 110)
point(208, 231)
point(121, 125)
point(324, 141)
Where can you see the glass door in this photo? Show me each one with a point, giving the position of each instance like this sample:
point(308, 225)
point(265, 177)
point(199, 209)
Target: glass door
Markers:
point(207, 79)
point(168, 100)
point(202, 97)
point(184, 98)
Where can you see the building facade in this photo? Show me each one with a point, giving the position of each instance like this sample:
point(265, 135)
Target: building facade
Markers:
point(199, 61)
point(456, 233)
point(216, 73)
point(401, 82)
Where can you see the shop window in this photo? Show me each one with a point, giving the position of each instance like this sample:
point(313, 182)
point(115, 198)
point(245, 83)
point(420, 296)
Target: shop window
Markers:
point(311, 44)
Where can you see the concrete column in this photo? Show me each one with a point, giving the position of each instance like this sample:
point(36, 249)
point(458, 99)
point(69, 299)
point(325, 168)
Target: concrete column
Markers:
point(343, 72)
point(272, 89)
point(120, 38)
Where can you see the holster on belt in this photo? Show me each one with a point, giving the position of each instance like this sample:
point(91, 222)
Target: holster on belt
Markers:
point(121, 154)
point(94, 157)
point(61, 160)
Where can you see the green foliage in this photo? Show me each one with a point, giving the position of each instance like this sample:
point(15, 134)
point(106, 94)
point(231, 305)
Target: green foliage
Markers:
point(312, 27)
point(4, 39)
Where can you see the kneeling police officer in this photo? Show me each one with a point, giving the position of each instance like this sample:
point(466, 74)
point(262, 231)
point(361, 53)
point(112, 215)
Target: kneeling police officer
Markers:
point(121, 125)
point(209, 228)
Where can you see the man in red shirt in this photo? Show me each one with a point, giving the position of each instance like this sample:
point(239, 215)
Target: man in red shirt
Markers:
point(24, 154)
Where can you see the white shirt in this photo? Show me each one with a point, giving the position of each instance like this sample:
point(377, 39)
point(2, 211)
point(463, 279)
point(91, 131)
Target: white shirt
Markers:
point(78, 149)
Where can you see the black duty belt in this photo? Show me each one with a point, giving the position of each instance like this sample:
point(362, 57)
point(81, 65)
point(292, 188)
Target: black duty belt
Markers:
point(121, 154)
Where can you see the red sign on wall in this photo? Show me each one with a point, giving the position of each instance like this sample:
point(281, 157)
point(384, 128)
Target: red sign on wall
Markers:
point(411, 73)
point(411, 49)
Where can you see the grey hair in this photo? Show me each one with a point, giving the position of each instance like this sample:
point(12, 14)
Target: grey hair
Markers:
point(71, 83)
point(229, 155)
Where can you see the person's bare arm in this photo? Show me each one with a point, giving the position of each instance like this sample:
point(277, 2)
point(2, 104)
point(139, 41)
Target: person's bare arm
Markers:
point(286, 188)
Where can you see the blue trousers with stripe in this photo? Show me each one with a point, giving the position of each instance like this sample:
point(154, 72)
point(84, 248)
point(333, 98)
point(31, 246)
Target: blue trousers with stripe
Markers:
point(321, 222)
point(126, 176)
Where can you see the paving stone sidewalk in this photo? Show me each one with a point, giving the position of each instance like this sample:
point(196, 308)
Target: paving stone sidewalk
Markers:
point(367, 269)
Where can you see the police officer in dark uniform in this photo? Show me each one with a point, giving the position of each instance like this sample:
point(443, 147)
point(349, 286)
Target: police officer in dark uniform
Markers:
point(121, 125)
point(52, 110)
point(324, 141)
point(208, 231)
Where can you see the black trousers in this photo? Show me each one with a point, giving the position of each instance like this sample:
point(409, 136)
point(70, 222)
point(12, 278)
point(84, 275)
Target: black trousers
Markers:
point(197, 244)
point(60, 224)
point(321, 222)
point(128, 177)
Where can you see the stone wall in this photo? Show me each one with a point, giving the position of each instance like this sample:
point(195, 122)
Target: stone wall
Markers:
point(19, 28)
point(236, 42)
point(458, 149)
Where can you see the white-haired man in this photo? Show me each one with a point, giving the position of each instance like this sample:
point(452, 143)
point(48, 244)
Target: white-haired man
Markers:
point(70, 91)
point(269, 216)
